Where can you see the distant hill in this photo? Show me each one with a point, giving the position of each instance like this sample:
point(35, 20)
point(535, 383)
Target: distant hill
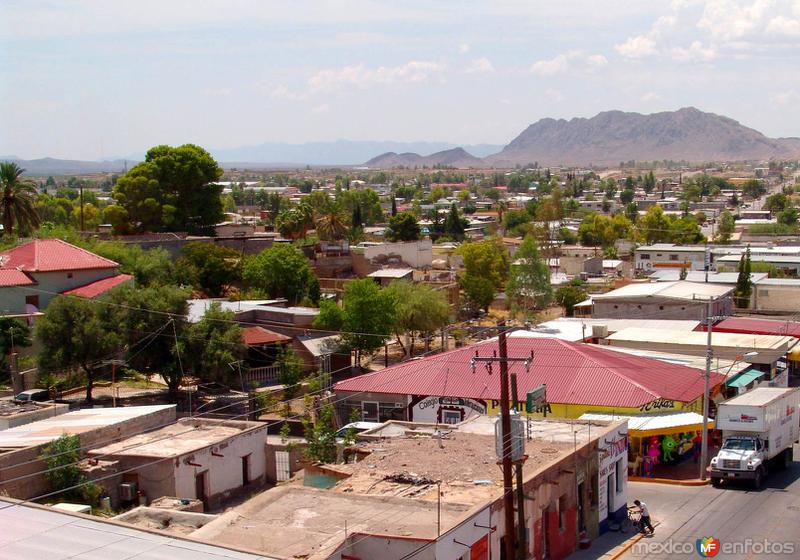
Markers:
point(614, 136)
point(339, 152)
point(53, 166)
point(456, 157)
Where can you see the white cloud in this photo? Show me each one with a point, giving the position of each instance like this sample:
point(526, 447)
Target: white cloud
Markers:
point(554, 95)
point(784, 26)
point(651, 96)
point(480, 65)
point(359, 75)
point(566, 61)
point(662, 24)
point(785, 97)
point(463, 48)
point(324, 108)
point(218, 92)
point(733, 19)
point(696, 52)
point(640, 46)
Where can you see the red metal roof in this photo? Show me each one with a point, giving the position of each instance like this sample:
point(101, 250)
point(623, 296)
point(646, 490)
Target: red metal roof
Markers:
point(51, 255)
point(254, 336)
point(98, 287)
point(574, 373)
point(13, 277)
point(747, 325)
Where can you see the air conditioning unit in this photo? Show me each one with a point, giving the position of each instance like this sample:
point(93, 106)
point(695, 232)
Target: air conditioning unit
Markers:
point(127, 491)
point(599, 331)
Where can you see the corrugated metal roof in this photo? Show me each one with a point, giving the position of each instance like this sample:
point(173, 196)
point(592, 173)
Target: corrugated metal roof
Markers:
point(36, 532)
point(746, 325)
point(253, 336)
point(745, 342)
point(649, 421)
point(668, 290)
point(574, 373)
point(51, 255)
point(99, 287)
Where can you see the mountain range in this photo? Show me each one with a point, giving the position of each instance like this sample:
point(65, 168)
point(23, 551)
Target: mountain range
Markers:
point(605, 139)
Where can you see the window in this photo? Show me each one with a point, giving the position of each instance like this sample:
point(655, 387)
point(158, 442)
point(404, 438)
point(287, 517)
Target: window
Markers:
point(645, 256)
point(620, 472)
point(32, 300)
point(69, 275)
point(673, 257)
point(562, 512)
point(661, 307)
point(451, 417)
point(369, 411)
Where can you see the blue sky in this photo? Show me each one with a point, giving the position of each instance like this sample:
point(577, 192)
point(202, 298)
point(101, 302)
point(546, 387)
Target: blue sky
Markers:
point(102, 78)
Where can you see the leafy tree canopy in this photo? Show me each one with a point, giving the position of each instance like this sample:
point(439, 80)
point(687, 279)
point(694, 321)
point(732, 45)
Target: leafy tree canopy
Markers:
point(281, 271)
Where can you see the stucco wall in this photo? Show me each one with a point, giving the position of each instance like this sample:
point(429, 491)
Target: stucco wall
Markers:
point(12, 300)
point(776, 298)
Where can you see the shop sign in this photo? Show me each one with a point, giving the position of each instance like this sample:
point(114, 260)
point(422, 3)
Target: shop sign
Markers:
point(657, 405)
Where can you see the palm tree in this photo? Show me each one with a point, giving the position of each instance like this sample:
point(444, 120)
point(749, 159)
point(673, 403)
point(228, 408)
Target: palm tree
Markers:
point(331, 225)
point(17, 200)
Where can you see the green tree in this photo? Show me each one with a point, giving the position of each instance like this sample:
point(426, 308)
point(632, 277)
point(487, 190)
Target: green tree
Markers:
point(369, 316)
point(744, 284)
point(529, 285)
point(330, 316)
point(776, 202)
point(321, 436)
point(488, 259)
point(454, 224)
point(211, 268)
point(394, 206)
point(725, 226)
point(75, 333)
point(568, 297)
point(13, 334)
point(626, 196)
point(172, 189)
point(420, 310)
point(331, 224)
point(403, 227)
point(281, 271)
point(788, 216)
point(632, 212)
point(149, 267)
point(649, 182)
point(479, 291)
point(753, 188)
point(212, 345)
point(17, 200)
point(290, 368)
point(61, 457)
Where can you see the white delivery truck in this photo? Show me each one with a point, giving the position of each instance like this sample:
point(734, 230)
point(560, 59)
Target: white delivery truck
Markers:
point(759, 428)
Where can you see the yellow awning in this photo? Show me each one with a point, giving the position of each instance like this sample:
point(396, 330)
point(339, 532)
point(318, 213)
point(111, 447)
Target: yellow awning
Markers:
point(794, 355)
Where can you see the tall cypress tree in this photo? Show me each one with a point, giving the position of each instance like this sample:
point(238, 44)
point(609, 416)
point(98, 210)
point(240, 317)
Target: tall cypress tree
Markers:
point(394, 206)
point(744, 285)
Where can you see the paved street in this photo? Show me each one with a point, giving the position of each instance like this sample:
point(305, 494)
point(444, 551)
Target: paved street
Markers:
point(731, 515)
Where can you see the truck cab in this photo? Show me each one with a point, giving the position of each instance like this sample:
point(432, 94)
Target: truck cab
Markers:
point(740, 453)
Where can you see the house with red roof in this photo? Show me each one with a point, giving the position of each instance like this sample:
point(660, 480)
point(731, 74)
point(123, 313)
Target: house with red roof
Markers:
point(34, 273)
point(579, 378)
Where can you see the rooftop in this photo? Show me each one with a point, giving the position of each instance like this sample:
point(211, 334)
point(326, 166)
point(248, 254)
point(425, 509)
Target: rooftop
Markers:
point(673, 274)
point(391, 273)
point(749, 325)
point(760, 396)
point(577, 329)
point(13, 277)
point(298, 522)
point(50, 255)
point(682, 290)
point(255, 336)
point(198, 307)
point(78, 422)
point(99, 287)
point(35, 532)
point(773, 258)
point(574, 373)
point(187, 435)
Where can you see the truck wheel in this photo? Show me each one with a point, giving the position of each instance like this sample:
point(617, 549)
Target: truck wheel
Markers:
point(759, 478)
point(716, 482)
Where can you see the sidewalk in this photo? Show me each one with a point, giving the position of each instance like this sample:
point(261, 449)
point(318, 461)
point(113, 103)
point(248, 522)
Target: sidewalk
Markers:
point(610, 545)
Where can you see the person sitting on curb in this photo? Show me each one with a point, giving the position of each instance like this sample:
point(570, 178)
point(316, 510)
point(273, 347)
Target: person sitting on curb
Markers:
point(644, 521)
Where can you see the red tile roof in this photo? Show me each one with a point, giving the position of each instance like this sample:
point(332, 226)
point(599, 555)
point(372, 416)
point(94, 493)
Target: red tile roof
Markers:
point(574, 373)
point(747, 325)
point(13, 277)
point(51, 255)
point(255, 336)
point(99, 287)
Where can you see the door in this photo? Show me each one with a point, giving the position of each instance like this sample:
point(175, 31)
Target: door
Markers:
point(610, 486)
point(370, 411)
point(282, 468)
point(245, 470)
point(200, 485)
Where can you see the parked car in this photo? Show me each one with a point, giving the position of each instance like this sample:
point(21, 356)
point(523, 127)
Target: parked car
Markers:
point(37, 395)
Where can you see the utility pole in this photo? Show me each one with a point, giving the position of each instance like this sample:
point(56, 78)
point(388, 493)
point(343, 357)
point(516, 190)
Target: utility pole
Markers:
point(706, 381)
point(505, 422)
point(508, 496)
point(521, 548)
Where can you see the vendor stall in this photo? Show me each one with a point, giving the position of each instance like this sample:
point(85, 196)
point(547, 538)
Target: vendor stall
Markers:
point(658, 441)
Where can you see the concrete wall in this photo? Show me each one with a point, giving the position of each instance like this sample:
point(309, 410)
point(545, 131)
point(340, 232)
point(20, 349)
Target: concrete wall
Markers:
point(359, 545)
point(663, 310)
point(776, 298)
point(613, 500)
point(34, 483)
point(415, 254)
point(224, 473)
point(43, 411)
point(12, 300)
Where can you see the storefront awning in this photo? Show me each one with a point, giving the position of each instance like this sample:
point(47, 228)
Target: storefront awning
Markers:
point(643, 425)
point(794, 355)
point(744, 378)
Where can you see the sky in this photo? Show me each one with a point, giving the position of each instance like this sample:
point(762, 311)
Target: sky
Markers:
point(91, 79)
